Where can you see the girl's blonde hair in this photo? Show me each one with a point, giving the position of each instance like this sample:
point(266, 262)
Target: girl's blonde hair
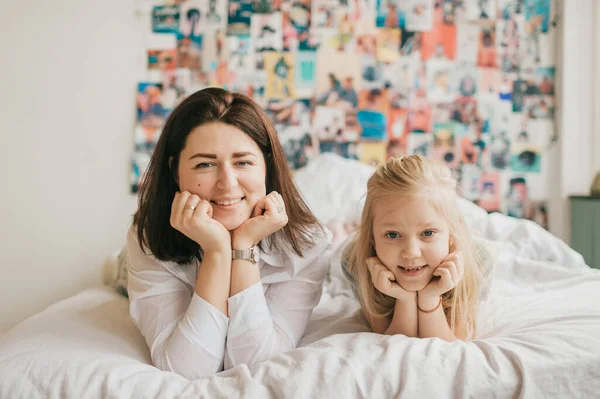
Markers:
point(432, 181)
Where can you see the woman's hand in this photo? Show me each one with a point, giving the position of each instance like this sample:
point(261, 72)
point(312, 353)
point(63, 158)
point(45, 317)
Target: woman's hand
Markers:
point(385, 281)
point(192, 216)
point(268, 217)
point(450, 271)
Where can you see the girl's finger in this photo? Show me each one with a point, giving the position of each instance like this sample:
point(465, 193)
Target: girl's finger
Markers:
point(389, 275)
point(446, 279)
point(453, 272)
point(437, 270)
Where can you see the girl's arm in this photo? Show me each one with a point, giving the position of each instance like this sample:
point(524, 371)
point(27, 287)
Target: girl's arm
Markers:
point(405, 320)
point(432, 319)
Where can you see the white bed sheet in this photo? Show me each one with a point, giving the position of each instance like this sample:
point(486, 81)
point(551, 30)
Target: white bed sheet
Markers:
point(539, 337)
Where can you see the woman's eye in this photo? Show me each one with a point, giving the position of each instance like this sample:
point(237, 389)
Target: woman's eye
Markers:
point(392, 234)
point(202, 165)
point(244, 163)
point(428, 233)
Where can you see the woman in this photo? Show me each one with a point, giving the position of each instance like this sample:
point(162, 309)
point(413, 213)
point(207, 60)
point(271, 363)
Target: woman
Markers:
point(226, 262)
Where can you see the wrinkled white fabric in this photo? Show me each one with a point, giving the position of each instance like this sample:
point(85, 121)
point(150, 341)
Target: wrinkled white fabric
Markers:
point(539, 332)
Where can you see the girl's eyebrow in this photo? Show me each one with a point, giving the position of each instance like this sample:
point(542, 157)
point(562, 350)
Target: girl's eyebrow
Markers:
point(430, 224)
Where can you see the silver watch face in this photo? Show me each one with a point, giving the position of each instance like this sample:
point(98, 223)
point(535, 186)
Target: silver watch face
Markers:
point(254, 254)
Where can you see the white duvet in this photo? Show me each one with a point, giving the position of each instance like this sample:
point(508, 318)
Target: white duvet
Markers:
point(539, 333)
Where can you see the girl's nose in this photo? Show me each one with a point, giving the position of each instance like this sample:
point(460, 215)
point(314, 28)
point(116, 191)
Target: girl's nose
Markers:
point(410, 249)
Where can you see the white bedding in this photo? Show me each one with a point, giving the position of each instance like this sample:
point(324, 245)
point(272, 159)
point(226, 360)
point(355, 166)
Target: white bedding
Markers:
point(539, 336)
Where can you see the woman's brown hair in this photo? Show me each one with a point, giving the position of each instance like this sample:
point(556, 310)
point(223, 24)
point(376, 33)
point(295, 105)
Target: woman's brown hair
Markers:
point(159, 183)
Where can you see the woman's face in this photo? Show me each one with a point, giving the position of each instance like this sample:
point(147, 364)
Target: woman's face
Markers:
point(223, 165)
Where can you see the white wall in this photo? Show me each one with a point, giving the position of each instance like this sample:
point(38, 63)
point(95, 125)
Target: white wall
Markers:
point(67, 110)
point(595, 42)
point(573, 170)
point(68, 77)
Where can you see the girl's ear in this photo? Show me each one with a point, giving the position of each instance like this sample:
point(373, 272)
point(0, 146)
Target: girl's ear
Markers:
point(452, 244)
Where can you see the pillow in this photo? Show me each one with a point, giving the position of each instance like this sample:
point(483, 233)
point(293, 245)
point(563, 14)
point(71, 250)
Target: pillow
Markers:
point(114, 271)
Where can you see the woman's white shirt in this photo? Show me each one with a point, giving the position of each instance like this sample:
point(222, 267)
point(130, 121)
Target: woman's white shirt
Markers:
point(191, 337)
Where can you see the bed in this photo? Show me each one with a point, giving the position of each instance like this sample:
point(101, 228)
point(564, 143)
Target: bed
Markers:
point(539, 330)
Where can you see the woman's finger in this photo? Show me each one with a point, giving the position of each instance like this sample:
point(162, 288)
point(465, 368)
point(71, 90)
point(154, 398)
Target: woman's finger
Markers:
point(271, 205)
point(190, 205)
point(203, 208)
point(177, 207)
point(259, 208)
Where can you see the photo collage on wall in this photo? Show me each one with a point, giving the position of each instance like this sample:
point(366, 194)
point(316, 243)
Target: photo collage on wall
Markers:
point(467, 82)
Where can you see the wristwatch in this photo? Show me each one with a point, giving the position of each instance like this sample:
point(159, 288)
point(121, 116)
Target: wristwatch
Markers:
point(250, 254)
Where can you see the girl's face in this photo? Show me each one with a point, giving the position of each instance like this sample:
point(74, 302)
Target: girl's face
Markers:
point(223, 165)
point(411, 239)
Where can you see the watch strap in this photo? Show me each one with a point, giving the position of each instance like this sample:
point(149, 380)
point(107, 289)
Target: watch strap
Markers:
point(250, 254)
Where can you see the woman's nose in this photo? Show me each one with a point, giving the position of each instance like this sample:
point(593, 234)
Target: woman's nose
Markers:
point(227, 178)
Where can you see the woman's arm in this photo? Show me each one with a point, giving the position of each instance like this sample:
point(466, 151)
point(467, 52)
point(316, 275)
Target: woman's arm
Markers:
point(213, 280)
point(184, 332)
point(244, 273)
point(264, 324)
point(433, 324)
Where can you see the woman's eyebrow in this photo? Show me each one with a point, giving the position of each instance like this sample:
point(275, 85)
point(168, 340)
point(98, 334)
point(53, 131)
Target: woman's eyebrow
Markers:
point(214, 156)
point(243, 154)
point(202, 155)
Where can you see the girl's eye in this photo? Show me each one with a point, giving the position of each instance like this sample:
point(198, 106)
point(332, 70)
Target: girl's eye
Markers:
point(392, 234)
point(202, 165)
point(244, 163)
point(428, 233)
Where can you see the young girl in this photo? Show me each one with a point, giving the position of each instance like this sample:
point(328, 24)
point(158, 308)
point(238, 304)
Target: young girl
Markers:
point(413, 263)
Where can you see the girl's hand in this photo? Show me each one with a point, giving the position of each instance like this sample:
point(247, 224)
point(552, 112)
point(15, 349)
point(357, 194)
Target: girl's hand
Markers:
point(383, 280)
point(450, 271)
point(193, 217)
point(268, 217)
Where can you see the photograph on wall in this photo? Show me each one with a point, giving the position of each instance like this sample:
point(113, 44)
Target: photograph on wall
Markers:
point(239, 17)
point(491, 192)
point(470, 182)
point(419, 14)
point(372, 153)
point(281, 75)
point(165, 19)
point(468, 82)
point(439, 42)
